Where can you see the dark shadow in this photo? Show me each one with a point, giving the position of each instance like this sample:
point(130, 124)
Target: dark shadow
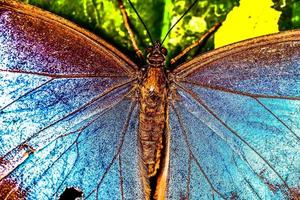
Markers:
point(71, 193)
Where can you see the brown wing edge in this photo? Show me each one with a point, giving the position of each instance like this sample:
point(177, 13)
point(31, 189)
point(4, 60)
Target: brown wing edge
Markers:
point(33, 11)
point(202, 60)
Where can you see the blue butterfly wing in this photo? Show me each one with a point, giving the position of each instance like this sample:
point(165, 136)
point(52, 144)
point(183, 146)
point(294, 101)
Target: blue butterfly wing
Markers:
point(235, 122)
point(66, 115)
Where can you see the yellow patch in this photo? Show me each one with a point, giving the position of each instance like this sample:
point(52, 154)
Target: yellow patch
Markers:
point(251, 19)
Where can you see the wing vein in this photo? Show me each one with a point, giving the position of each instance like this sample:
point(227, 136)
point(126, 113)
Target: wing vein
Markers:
point(121, 177)
point(183, 129)
point(189, 178)
point(25, 94)
point(223, 89)
point(252, 189)
point(59, 76)
point(123, 134)
point(201, 102)
point(253, 96)
point(70, 114)
point(237, 152)
point(69, 172)
point(80, 108)
point(274, 115)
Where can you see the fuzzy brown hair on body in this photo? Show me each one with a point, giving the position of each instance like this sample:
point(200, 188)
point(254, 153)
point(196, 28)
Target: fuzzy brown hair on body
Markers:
point(153, 94)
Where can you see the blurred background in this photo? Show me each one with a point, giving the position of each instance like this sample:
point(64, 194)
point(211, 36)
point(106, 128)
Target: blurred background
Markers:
point(241, 19)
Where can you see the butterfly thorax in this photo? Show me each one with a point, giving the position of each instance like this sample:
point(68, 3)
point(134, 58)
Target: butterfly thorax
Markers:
point(153, 96)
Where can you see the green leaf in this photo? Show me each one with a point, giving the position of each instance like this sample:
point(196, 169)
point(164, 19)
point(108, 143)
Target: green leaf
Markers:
point(103, 18)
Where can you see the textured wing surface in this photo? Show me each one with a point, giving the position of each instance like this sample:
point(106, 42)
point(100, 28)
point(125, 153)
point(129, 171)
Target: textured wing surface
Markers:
point(267, 66)
point(65, 116)
point(235, 124)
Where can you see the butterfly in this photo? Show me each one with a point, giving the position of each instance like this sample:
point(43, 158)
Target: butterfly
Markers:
point(78, 117)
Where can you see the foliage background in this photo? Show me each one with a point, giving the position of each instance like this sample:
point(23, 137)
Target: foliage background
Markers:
point(242, 19)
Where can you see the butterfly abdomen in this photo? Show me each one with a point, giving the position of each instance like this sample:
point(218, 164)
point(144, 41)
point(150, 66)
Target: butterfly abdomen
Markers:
point(153, 95)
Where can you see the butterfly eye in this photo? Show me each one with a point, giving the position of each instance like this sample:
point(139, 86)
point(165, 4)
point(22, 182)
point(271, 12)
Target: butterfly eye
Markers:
point(164, 51)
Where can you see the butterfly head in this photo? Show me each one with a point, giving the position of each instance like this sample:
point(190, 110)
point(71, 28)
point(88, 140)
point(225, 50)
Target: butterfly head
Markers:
point(156, 55)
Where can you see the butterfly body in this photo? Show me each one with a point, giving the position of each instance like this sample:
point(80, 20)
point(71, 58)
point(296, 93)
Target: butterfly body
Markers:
point(153, 103)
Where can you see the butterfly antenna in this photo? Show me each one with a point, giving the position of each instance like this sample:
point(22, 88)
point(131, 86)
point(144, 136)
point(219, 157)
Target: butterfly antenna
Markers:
point(141, 21)
point(191, 6)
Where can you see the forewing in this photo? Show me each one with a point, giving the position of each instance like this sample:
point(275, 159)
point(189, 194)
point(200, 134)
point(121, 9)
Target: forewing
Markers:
point(66, 118)
point(235, 122)
point(263, 67)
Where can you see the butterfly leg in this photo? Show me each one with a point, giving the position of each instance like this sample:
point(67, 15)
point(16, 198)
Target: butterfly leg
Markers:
point(129, 30)
point(197, 43)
